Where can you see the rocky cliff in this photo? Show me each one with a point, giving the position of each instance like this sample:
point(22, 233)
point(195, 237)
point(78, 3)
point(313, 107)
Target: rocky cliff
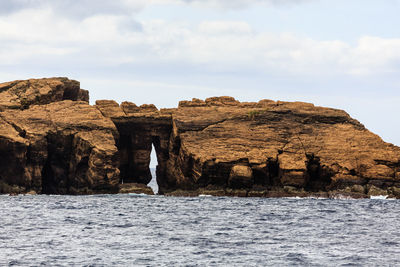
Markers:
point(52, 141)
point(51, 144)
point(268, 148)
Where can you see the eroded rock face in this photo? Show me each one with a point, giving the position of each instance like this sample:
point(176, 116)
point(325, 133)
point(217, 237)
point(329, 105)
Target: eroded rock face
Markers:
point(53, 141)
point(139, 128)
point(65, 147)
point(241, 177)
point(22, 94)
point(282, 143)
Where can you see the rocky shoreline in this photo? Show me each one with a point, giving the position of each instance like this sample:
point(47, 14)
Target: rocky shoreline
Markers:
point(53, 142)
point(347, 193)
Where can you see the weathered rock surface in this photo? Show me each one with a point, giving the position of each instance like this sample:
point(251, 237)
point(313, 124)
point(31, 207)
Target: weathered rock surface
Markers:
point(279, 144)
point(135, 188)
point(22, 94)
point(65, 147)
point(140, 128)
point(218, 146)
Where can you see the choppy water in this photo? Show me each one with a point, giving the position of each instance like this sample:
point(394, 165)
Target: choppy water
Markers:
point(132, 230)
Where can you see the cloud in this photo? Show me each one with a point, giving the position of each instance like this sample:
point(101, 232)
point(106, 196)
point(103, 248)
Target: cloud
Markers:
point(234, 4)
point(42, 36)
point(374, 54)
point(78, 9)
point(224, 27)
point(85, 8)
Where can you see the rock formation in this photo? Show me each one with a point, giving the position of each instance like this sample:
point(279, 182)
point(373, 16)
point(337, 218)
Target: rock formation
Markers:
point(64, 147)
point(268, 146)
point(22, 94)
point(140, 128)
point(52, 141)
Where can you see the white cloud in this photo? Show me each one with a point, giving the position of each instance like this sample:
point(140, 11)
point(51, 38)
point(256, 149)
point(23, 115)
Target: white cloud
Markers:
point(224, 27)
point(72, 8)
point(374, 54)
point(234, 4)
point(85, 8)
point(32, 34)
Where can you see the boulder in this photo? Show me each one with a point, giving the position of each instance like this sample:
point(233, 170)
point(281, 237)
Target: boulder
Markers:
point(395, 191)
point(358, 189)
point(375, 191)
point(135, 188)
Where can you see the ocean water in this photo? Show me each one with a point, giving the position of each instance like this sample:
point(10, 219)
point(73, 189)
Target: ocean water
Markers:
point(137, 230)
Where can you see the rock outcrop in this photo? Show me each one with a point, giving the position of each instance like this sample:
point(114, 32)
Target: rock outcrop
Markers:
point(268, 145)
point(140, 128)
point(22, 94)
point(53, 141)
point(64, 147)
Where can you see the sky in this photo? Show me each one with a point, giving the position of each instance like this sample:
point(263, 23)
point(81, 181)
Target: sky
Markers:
point(343, 54)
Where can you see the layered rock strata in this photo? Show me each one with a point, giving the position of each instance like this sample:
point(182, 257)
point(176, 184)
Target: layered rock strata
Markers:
point(139, 129)
point(22, 94)
point(268, 147)
point(64, 147)
point(53, 142)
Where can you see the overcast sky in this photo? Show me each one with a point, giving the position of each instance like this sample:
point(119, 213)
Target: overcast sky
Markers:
point(342, 53)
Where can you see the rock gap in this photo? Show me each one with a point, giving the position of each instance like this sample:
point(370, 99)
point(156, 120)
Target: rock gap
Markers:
point(143, 150)
point(153, 165)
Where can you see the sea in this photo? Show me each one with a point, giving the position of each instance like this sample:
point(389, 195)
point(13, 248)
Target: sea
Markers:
point(141, 230)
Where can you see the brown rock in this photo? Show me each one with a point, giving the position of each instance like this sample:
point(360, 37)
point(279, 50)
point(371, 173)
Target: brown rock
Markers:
point(236, 192)
point(129, 107)
point(294, 144)
point(395, 191)
point(182, 193)
point(256, 194)
point(109, 108)
point(194, 103)
point(51, 144)
point(65, 147)
point(135, 188)
point(221, 101)
point(358, 189)
point(22, 94)
point(241, 177)
point(293, 190)
point(281, 143)
point(140, 128)
point(148, 108)
point(375, 191)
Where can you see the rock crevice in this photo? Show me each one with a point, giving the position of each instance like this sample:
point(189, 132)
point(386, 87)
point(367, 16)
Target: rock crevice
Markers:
point(139, 129)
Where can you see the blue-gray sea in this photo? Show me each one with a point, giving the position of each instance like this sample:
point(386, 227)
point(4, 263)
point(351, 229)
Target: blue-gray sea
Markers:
point(137, 230)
